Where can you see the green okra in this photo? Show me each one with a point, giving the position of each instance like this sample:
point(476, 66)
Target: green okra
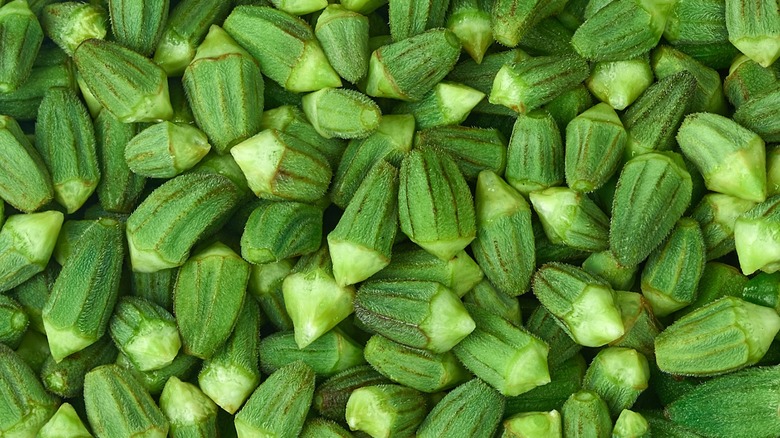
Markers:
point(512, 19)
point(33, 294)
point(26, 245)
point(747, 79)
point(320, 428)
point(284, 45)
point(182, 113)
point(620, 83)
point(26, 406)
point(545, 326)
point(362, 241)
point(430, 182)
point(144, 332)
point(121, 189)
point(25, 182)
point(604, 264)
point(82, 299)
point(473, 149)
point(410, 262)
point(640, 29)
point(192, 205)
point(698, 29)
point(329, 354)
point(33, 350)
point(280, 230)
point(165, 150)
point(65, 139)
point(547, 37)
point(117, 405)
point(585, 414)
point(595, 141)
point(717, 215)
point(299, 8)
point(472, 409)
point(391, 142)
point(331, 396)
point(138, 26)
point(68, 239)
point(485, 295)
point(188, 23)
point(708, 95)
point(408, 69)
point(754, 28)
point(731, 159)
point(226, 166)
point(408, 18)
point(530, 83)
point(13, 321)
point(415, 368)
point(653, 119)
point(366, 7)
point(128, 85)
point(754, 238)
point(66, 378)
point(568, 105)
point(183, 367)
point(70, 23)
point(504, 247)
point(156, 287)
point(313, 299)
point(630, 424)
point(740, 331)
point(343, 35)
point(447, 103)
point(573, 14)
point(618, 375)
point(419, 314)
point(386, 410)
point(22, 38)
point(341, 113)
point(230, 376)
point(720, 407)
point(265, 284)
point(64, 423)
point(535, 155)
point(279, 406)
point(570, 293)
point(23, 103)
point(640, 323)
point(189, 411)
point(278, 166)
point(470, 20)
point(479, 76)
point(718, 280)
point(759, 113)
point(571, 218)
point(672, 272)
point(224, 88)
point(208, 297)
point(505, 356)
point(533, 424)
point(653, 192)
point(291, 120)
point(763, 290)
point(566, 379)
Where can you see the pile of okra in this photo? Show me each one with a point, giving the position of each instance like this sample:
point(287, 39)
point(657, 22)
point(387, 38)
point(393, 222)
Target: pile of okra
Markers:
point(414, 218)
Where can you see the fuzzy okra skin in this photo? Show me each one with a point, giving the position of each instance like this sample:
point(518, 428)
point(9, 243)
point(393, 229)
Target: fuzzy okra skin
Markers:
point(331, 396)
point(208, 297)
point(192, 205)
point(25, 182)
point(70, 23)
point(276, 231)
point(25, 406)
point(22, 38)
point(138, 26)
point(386, 410)
point(66, 378)
point(191, 413)
point(472, 409)
point(329, 354)
point(26, 245)
point(165, 150)
point(82, 299)
point(121, 189)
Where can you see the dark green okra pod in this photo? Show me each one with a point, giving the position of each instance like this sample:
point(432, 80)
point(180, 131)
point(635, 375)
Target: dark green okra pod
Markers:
point(26, 406)
point(22, 38)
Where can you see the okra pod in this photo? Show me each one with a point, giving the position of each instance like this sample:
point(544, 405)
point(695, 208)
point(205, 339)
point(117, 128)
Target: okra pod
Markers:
point(386, 410)
point(26, 245)
point(189, 411)
point(535, 156)
point(329, 354)
point(473, 149)
point(22, 38)
point(68, 24)
point(27, 406)
point(64, 423)
point(165, 150)
point(331, 396)
point(472, 409)
point(13, 321)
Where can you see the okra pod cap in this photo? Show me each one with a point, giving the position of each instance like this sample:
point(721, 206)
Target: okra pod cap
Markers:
point(754, 29)
point(756, 238)
point(717, 215)
point(189, 411)
point(64, 423)
point(165, 150)
point(472, 25)
point(145, 332)
point(331, 396)
point(533, 425)
point(620, 83)
point(619, 375)
point(128, 85)
point(571, 218)
point(26, 245)
point(630, 424)
point(722, 336)
point(386, 410)
point(68, 24)
point(448, 103)
point(585, 305)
